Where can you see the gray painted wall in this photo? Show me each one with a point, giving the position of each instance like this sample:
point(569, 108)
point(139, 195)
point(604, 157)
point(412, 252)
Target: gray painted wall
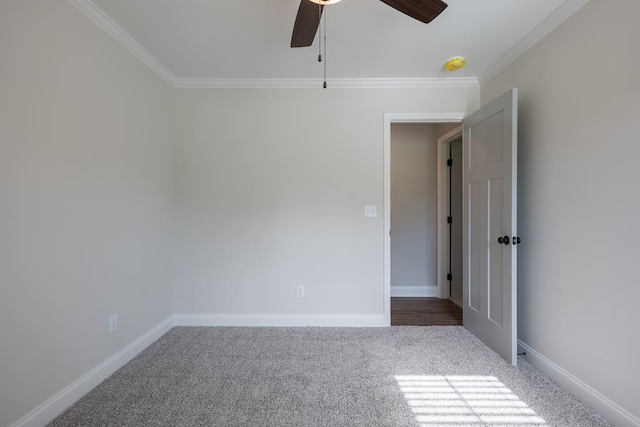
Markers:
point(271, 186)
point(86, 200)
point(578, 203)
point(413, 205)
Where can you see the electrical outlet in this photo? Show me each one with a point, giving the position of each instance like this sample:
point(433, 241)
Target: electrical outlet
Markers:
point(113, 323)
point(300, 291)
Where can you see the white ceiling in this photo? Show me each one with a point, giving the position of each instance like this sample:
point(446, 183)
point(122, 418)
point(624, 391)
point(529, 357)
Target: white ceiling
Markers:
point(217, 40)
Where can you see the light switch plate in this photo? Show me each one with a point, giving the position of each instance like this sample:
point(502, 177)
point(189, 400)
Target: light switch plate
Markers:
point(370, 211)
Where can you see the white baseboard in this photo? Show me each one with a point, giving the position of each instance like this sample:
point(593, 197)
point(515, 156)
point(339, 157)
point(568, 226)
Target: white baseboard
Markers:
point(615, 414)
point(414, 291)
point(57, 404)
point(213, 319)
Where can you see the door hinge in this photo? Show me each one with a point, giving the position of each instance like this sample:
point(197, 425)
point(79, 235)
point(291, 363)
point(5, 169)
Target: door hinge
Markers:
point(449, 220)
point(449, 162)
point(449, 277)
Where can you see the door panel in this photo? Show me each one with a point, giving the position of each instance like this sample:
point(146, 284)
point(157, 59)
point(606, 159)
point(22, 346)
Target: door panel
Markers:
point(489, 151)
point(489, 213)
point(475, 243)
point(496, 288)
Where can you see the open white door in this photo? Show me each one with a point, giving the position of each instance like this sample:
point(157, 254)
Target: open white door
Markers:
point(489, 224)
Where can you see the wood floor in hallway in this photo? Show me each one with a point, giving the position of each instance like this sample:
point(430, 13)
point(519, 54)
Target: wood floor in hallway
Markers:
point(424, 312)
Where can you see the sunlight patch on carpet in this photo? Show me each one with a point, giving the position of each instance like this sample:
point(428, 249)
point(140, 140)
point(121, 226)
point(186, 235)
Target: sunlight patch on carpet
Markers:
point(450, 400)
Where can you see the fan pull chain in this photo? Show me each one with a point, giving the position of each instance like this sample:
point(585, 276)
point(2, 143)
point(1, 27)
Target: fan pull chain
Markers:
point(324, 85)
point(319, 35)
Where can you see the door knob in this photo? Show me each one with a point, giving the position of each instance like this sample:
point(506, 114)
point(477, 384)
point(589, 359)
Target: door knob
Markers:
point(516, 240)
point(504, 240)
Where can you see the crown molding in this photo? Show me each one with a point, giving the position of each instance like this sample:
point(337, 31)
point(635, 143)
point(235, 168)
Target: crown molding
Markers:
point(561, 14)
point(363, 83)
point(93, 12)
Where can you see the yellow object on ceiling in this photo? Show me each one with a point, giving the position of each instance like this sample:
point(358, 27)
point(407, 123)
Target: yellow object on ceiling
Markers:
point(455, 63)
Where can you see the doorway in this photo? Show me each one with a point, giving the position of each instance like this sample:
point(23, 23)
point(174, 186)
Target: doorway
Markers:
point(490, 209)
point(425, 251)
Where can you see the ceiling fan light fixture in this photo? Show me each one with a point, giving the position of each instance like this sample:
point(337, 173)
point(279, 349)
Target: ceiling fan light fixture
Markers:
point(325, 2)
point(455, 63)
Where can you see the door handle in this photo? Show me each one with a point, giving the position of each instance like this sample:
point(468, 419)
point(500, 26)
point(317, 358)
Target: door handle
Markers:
point(516, 240)
point(504, 240)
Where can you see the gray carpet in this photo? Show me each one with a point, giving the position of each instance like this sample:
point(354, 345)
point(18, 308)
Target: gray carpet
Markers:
point(398, 376)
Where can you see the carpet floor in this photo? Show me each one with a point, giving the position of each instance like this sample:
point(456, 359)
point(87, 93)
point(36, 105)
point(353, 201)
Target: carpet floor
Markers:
point(399, 376)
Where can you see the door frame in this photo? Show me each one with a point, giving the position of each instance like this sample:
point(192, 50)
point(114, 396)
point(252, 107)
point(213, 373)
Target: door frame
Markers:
point(443, 230)
point(389, 119)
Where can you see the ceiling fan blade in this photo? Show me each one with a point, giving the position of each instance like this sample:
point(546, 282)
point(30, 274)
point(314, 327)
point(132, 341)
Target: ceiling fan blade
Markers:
point(422, 10)
point(306, 26)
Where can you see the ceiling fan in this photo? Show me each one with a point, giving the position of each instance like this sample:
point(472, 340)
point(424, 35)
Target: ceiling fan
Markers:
point(310, 12)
